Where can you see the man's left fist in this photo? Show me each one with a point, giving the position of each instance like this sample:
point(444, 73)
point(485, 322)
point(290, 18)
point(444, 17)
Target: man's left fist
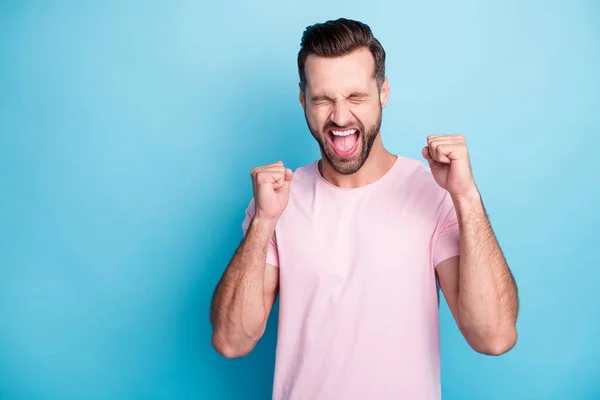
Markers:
point(448, 159)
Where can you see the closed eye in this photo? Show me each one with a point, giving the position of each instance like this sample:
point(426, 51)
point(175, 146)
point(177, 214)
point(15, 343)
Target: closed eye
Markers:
point(321, 100)
point(358, 97)
point(355, 98)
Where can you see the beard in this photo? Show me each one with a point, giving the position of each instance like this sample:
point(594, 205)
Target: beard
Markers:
point(346, 166)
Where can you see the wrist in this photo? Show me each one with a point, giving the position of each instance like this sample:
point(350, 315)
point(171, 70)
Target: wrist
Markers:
point(470, 200)
point(264, 226)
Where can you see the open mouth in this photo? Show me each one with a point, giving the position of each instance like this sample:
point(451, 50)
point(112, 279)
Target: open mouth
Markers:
point(345, 143)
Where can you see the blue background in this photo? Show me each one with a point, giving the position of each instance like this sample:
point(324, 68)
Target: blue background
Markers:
point(127, 133)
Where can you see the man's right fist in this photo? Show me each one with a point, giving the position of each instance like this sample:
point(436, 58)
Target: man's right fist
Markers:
point(271, 185)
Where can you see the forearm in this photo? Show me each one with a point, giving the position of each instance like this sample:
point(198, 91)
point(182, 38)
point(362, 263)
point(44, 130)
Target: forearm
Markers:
point(487, 297)
point(238, 313)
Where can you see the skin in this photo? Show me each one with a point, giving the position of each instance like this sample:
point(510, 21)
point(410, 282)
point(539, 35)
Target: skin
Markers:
point(343, 92)
point(478, 285)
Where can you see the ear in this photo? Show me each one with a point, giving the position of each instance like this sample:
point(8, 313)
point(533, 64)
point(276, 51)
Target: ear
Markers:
point(384, 92)
point(301, 97)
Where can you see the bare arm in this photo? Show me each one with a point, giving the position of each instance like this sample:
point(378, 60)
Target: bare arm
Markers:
point(478, 286)
point(245, 295)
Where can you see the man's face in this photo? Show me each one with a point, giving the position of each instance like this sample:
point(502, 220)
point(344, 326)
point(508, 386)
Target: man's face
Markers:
point(342, 106)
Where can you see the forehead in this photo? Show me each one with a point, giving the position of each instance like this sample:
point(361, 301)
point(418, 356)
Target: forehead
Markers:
point(336, 74)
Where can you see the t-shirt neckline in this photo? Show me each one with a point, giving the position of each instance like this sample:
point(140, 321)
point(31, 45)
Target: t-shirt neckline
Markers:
point(390, 172)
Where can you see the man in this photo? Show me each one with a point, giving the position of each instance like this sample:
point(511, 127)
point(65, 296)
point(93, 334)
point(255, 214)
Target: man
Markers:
point(356, 242)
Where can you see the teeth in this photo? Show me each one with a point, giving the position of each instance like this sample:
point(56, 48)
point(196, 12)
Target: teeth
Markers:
point(344, 133)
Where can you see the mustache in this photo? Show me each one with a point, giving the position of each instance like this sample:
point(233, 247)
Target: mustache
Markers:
point(332, 125)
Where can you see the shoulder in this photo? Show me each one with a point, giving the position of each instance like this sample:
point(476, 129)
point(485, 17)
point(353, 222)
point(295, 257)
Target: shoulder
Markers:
point(416, 181)
point(304, 176)
point(305, 172)
point(414, 173)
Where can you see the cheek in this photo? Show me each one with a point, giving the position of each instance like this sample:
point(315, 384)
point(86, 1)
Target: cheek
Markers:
point(317, 116)
point(367, 114)
point(359, 109)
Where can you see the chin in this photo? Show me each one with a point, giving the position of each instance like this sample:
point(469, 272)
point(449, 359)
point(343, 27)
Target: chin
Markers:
point(345, 166)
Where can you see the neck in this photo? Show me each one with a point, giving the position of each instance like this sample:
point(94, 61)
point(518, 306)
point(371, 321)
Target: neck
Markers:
point(377, 165)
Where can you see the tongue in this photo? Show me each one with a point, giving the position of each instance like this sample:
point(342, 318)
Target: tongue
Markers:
point(345, 143)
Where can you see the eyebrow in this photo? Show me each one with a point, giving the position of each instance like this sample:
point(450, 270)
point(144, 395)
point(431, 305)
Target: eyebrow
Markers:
point(321, 97)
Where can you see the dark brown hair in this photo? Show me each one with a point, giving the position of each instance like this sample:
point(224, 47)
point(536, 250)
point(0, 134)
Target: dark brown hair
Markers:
point(336, 38)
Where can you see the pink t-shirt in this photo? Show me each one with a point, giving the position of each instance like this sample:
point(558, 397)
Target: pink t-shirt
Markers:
point(358, 311)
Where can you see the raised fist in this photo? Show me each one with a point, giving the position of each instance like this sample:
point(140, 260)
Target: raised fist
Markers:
point(271, 185)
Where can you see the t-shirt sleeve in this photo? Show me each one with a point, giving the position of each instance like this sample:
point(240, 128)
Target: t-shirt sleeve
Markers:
point(272, 253)
point(446, 236)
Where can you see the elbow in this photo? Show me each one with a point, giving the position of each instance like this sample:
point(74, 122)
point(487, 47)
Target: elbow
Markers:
point(495, 343)
point(228, 349)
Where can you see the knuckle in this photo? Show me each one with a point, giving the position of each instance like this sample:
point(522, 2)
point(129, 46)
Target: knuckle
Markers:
point(265, 176)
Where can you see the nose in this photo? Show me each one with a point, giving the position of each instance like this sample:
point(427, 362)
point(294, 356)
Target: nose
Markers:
point(341, 115)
